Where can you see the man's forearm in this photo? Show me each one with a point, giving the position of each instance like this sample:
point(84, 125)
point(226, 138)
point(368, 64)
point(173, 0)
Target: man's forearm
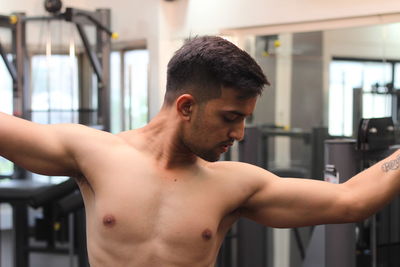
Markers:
point(391, 165)
point(373, 188)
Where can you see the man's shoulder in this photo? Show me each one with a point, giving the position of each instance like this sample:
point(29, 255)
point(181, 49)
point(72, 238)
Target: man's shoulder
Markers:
point(238, 180)
point(133, 139)
point(240, 172)
point(80, 137)
point(121, 137)
point(234, 166)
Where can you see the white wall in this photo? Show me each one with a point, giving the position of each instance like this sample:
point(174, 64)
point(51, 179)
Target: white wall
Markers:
point(137, 18)
point(209, 16)
point(375, 42)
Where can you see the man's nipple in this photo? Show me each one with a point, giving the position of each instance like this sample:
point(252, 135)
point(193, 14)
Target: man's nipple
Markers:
point(108, 220)
point(206, 234)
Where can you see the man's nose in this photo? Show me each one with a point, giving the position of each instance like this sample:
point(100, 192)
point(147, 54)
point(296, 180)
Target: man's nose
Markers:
point(237, 132)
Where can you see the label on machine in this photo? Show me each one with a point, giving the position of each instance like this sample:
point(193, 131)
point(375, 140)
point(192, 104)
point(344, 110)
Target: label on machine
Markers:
point(331, 175)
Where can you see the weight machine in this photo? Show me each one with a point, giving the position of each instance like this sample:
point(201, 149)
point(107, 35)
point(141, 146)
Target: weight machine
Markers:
point(99, 57)
point(61, 200)
point(368, 243)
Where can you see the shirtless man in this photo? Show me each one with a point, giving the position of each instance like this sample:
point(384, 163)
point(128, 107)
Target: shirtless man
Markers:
point(157, 197)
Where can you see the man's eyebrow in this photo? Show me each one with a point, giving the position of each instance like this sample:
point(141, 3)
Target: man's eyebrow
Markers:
point(239, 113)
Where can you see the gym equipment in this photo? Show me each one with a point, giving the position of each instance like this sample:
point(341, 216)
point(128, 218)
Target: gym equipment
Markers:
point(52, 6)
point(99, 59)
point(17, 66)
point(19, 69)
point(375, 134)
point(334, 244)
point(344, 245)
point(350, 245)
point(376, 139)
point(57, 201)
point(314, 138)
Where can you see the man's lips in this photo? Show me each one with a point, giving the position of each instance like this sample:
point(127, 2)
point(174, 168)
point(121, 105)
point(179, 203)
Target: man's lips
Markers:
point(227, 143)
point(226, 146)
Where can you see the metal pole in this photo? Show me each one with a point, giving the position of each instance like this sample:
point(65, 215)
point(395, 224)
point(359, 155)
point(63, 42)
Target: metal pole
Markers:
point(10, 67)
point(374, 244)
point(21, 90)
point(103, 48)
point(20, 233)
point(18, 53)
point(71, 238)
point(23, 85)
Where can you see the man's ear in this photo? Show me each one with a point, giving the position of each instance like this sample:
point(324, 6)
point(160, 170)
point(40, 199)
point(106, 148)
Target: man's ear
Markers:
point(184, 106)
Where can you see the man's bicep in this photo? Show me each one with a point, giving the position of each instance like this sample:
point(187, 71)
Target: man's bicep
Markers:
point(38, 148)
point(294, 202)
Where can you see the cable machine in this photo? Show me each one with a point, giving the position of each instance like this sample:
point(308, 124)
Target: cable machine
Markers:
point(98, 55)
point(21, 191)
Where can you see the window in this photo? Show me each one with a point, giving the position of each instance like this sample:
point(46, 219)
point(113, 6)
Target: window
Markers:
point(397, 76)
point(135, 88)
point(115, 82)
point(347, 75)
point(54, 89)
point(129, 89)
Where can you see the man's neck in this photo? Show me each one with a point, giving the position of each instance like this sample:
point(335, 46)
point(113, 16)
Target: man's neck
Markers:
point(161, 138)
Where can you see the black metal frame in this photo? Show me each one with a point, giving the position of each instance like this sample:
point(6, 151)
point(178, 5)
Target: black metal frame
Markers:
point(9, 65)
point(99, 57)
point(17, 68)
point(23, 194)
point(5, 22)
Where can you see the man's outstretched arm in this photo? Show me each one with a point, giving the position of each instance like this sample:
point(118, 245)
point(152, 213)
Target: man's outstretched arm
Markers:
point(293, 202)
point(43, 149)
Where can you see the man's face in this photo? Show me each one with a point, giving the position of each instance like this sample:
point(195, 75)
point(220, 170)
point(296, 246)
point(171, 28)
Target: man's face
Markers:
point(216, 124)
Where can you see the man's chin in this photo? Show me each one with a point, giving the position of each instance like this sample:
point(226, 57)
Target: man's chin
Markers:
point(209, 157)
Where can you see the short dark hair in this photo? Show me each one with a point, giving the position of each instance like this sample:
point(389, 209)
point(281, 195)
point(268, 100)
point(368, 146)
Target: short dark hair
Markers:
point(203, 65)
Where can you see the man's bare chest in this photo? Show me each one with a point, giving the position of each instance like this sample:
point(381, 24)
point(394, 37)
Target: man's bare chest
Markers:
point(177, 210)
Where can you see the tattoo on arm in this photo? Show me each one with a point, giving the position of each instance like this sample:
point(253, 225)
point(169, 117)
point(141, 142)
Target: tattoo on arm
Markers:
point(391, 165)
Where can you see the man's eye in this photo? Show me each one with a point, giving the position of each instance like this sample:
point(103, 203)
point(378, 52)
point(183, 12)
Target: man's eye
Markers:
point(230, 118)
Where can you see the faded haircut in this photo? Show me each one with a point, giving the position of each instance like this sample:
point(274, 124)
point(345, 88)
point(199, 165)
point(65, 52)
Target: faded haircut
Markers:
point(203, 65)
